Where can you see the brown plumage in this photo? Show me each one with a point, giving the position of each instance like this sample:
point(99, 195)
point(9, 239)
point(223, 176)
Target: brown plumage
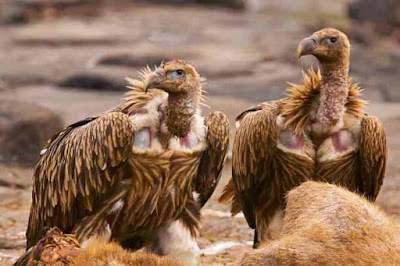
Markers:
point(328, 225)
point(59, 249)
point(134, 169)
point(318, 132)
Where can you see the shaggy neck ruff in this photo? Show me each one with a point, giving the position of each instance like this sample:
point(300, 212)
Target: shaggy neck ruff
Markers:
point(180, 112)
point(298, 105)
point(333, 93)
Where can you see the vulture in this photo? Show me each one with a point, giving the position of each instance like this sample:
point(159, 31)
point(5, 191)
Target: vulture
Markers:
point(319, 131)
point(134, 170)
point(59, 249)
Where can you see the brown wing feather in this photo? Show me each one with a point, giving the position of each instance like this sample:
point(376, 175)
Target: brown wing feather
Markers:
point(373, 155)
point(253, 149)
point(213, 157)
point(159, 186)
point(76, 171)
point(247, 111)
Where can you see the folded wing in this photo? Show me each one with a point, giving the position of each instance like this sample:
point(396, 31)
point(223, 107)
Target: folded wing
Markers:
point(213, 157)
point(373, 156)
point(77, 170)
point(253, 150)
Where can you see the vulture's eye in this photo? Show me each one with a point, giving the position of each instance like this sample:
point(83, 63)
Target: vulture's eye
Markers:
point(331, 41)
point(176, 74)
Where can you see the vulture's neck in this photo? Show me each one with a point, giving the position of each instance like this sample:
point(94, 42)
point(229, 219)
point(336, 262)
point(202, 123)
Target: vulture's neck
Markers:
point(333, 94)
point(180, 112)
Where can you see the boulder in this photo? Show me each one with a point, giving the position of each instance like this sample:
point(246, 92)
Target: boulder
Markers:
point(11, 14)
point(135, 61)
point(385, 13)
point(235, 4)
point(93, 81)
point(24, 130)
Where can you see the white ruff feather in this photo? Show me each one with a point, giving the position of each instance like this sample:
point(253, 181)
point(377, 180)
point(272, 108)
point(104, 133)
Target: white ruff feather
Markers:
point(176, 241)
point(196, 139)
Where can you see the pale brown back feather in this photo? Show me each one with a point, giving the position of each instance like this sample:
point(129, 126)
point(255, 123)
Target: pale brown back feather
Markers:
point(103, 253)
point(329, 225)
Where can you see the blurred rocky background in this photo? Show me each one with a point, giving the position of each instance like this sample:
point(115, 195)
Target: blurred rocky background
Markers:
point(63, 60)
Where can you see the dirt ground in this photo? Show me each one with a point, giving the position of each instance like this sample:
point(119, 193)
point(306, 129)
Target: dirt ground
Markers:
point(246, 56)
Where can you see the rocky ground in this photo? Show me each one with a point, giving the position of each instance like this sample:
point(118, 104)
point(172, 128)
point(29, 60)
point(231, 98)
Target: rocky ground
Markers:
point(73, 65)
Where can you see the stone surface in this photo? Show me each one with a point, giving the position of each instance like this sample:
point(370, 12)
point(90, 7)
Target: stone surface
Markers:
point(98, 52)
point(11, 14)
point(66, 33)
point(24, 129)
point(93, 82)
point(383, 14)
point(383, 11)
point(235, 4)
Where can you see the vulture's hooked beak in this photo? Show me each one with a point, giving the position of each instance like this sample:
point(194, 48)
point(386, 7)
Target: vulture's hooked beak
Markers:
point(154, 79)
point(307, 46)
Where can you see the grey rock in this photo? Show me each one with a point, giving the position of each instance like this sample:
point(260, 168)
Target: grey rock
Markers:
point(128, 60)
point(93, 81)
point(383, 12)
point(235, 4)
point(11, 14)
point(24, 129)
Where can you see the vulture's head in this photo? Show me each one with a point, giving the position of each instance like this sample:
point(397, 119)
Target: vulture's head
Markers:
point(176, 76)
point(327, 45)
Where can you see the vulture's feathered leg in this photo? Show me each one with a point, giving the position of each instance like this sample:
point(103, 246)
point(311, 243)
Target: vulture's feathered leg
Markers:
point(256, 242)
